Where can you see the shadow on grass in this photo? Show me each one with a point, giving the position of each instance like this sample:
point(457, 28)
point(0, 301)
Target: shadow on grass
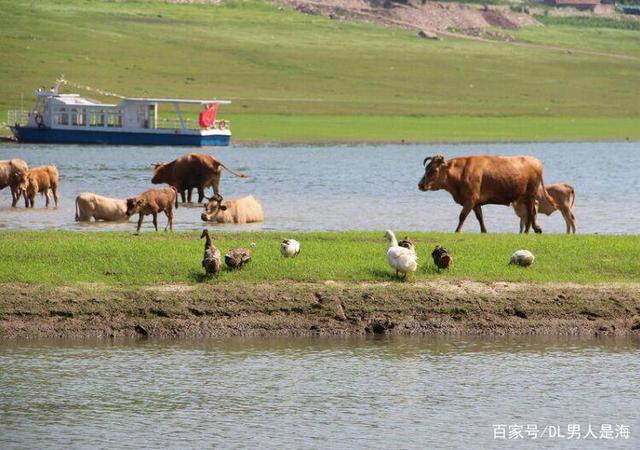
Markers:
point(388, 275)
point(200, 277)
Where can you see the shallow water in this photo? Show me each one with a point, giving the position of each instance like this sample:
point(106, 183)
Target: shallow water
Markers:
point(339, 187)
point(398, 392)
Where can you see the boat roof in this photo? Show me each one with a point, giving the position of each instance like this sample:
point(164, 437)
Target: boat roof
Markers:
point(76, 100)
point(177, 100)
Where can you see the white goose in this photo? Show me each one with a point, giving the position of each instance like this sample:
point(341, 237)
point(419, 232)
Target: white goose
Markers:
point(400, 258)
point(289, 248)
point(522, 258)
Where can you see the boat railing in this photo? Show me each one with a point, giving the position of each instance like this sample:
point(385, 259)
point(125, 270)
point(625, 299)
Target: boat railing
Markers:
point(17, 117)
point(191, 124)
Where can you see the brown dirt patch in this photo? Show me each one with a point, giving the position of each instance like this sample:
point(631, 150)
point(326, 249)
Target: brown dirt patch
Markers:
point(438, 307)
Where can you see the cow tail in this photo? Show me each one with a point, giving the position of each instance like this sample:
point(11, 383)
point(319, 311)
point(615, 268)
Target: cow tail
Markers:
point(77, 214)
point(175, 191)
point(546, 194)
point(573, 197)
point(238, 174)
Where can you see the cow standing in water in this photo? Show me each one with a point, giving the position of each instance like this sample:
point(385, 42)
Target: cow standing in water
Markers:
point(11, 173)
point(152, 202)
point(564, 196)
point(193, 170)
point(474, 181)
point(40, 180)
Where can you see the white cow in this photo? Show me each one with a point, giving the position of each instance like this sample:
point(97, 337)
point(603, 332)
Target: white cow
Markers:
point(95, 206)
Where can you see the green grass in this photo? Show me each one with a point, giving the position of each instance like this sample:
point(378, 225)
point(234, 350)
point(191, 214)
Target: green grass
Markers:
point(590, 22)
point(295, 77)
point(63, 258)
point(373, 128)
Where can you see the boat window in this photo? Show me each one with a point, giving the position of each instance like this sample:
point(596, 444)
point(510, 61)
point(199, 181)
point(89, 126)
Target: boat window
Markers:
point(78, 117)
point(96, 118)
point(61, 117)
point(114, 119)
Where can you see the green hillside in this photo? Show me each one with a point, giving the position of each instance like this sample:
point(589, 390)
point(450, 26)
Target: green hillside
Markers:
point(294, 77)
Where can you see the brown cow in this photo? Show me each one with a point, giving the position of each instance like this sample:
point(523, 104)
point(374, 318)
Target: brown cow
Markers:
point(40, 180)
point(193, 170)
point(474, 181)
point(11, 172)
point(243, 210)
point(152, 202)
point(564, 196)
point(95, 206)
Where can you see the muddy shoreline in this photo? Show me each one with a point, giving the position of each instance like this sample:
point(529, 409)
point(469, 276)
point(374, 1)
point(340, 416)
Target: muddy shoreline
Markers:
point(246, 309)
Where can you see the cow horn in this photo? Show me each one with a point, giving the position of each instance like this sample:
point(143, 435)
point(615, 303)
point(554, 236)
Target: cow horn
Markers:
point(424, 163)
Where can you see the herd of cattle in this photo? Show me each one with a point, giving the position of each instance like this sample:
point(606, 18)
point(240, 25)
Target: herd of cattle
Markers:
point(473, 181)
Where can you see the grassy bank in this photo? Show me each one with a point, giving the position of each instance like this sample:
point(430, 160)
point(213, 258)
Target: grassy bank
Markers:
point(63, 258)
point(295, 77)
point(293, 128)
point(62, 284)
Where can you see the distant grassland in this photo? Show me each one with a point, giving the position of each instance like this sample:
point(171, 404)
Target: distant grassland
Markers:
point(63, 258)
point(591, 22)
point(295, 77)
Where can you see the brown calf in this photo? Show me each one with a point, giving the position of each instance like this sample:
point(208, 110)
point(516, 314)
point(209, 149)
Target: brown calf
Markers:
point(40, 180)
point(564, 196)
point(152, 202)
point(11, 172)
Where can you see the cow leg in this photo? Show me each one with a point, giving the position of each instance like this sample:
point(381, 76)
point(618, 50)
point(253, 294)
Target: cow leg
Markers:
point(182, 196)
point(56, 196)
point(189, 194)
point(531, 208)
point(522, 224)
point(169, 213)
point(155, 220)
point(200, 194)
point(463, 215)
point(15, 196)
point(141, 216)
point(478, 211)
point(569, 219)
point(48, 199)
point(216, 183)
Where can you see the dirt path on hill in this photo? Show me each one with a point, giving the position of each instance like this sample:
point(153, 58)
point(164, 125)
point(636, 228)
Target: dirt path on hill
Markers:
point(474, 22)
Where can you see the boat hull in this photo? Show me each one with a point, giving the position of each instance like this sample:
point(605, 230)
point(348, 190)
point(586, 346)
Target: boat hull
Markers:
point(54, 136)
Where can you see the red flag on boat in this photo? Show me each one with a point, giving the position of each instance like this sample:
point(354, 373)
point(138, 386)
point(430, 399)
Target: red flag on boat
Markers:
point(208, 116)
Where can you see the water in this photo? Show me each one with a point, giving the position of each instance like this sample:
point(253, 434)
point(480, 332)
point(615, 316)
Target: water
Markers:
point(315, 392)
point(340, 187)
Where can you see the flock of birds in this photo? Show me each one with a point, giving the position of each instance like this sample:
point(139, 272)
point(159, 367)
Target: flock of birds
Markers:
point(236, 258)
point(401, 255)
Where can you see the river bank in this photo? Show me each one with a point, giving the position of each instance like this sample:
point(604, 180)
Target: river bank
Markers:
point(331, 308)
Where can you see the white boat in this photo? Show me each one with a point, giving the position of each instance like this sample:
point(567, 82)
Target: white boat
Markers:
point(70, 118)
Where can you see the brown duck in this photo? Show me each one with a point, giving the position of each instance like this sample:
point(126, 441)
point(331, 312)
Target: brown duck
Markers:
point(211, 260)
point(237, 258)
point(441, 257)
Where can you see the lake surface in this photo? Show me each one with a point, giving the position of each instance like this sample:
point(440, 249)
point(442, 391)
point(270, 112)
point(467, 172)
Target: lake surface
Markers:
point(339, 187)
point(392, 392)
